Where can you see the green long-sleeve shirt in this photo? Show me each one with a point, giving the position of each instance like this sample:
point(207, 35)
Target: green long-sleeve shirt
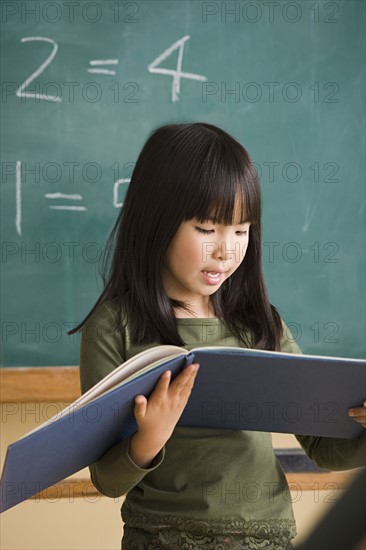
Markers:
point(215, 480)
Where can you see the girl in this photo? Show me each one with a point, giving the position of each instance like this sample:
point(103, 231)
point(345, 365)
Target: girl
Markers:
point(186, 270)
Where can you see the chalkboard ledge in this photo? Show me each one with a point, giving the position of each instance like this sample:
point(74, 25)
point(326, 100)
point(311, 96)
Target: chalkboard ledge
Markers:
point(39, 384)
point(298, 481)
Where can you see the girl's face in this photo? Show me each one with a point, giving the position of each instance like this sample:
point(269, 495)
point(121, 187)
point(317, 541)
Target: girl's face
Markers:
point(200, 257)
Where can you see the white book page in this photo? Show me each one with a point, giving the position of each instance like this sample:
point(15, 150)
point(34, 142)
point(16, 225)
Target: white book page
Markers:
point(141, 361)
point(148, 359)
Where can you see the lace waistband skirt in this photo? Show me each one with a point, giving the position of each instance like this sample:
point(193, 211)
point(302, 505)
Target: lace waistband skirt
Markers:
point(135, 538)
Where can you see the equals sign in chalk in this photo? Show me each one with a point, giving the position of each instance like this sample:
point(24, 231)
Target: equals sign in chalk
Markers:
point(104, 62)
point(67, 197)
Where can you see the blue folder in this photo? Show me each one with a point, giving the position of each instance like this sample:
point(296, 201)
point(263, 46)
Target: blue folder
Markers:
point(234, 389)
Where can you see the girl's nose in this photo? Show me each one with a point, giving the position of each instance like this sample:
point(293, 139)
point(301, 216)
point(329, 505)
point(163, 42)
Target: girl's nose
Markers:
point(227, 250)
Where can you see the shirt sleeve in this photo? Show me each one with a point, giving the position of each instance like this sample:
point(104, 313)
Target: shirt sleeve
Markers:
point(102, 349)
point(328, 452)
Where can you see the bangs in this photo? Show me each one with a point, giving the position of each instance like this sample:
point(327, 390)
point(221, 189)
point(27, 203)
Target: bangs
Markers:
point(224, 187)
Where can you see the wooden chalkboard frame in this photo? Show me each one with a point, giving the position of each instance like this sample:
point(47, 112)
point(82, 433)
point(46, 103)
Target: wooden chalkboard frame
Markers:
point(39, 384)
point(298, 481)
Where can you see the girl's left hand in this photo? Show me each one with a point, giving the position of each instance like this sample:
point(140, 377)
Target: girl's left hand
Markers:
point(359, 414)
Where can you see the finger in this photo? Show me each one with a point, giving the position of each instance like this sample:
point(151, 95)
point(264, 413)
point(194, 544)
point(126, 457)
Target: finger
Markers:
point(163, 383)
point(140, 407)
point(356, 411)
point(359, 414)
point(185, 381)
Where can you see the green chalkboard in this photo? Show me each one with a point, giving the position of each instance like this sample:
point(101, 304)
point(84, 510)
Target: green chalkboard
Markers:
point(83, 84)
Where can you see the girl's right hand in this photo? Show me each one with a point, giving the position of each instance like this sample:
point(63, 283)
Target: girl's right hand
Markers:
point(157, 416)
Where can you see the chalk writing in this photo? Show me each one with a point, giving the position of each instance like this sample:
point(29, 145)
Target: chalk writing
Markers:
point(67, 197)
point(177, 74)
point(20, 91)
point(102, 62)
point(98, 66)
point(116, 186)
point(18, 198)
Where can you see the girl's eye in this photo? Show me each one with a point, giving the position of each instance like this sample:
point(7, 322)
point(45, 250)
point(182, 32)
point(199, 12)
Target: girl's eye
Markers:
point(208, 231)
point(204, 231)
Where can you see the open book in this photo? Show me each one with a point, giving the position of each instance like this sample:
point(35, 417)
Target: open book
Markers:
point(235, 388)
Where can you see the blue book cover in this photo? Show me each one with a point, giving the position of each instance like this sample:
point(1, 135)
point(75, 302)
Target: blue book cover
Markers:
point(235, 388)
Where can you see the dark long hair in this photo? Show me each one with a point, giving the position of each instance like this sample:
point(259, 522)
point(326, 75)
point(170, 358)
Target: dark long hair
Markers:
point(186, 171)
